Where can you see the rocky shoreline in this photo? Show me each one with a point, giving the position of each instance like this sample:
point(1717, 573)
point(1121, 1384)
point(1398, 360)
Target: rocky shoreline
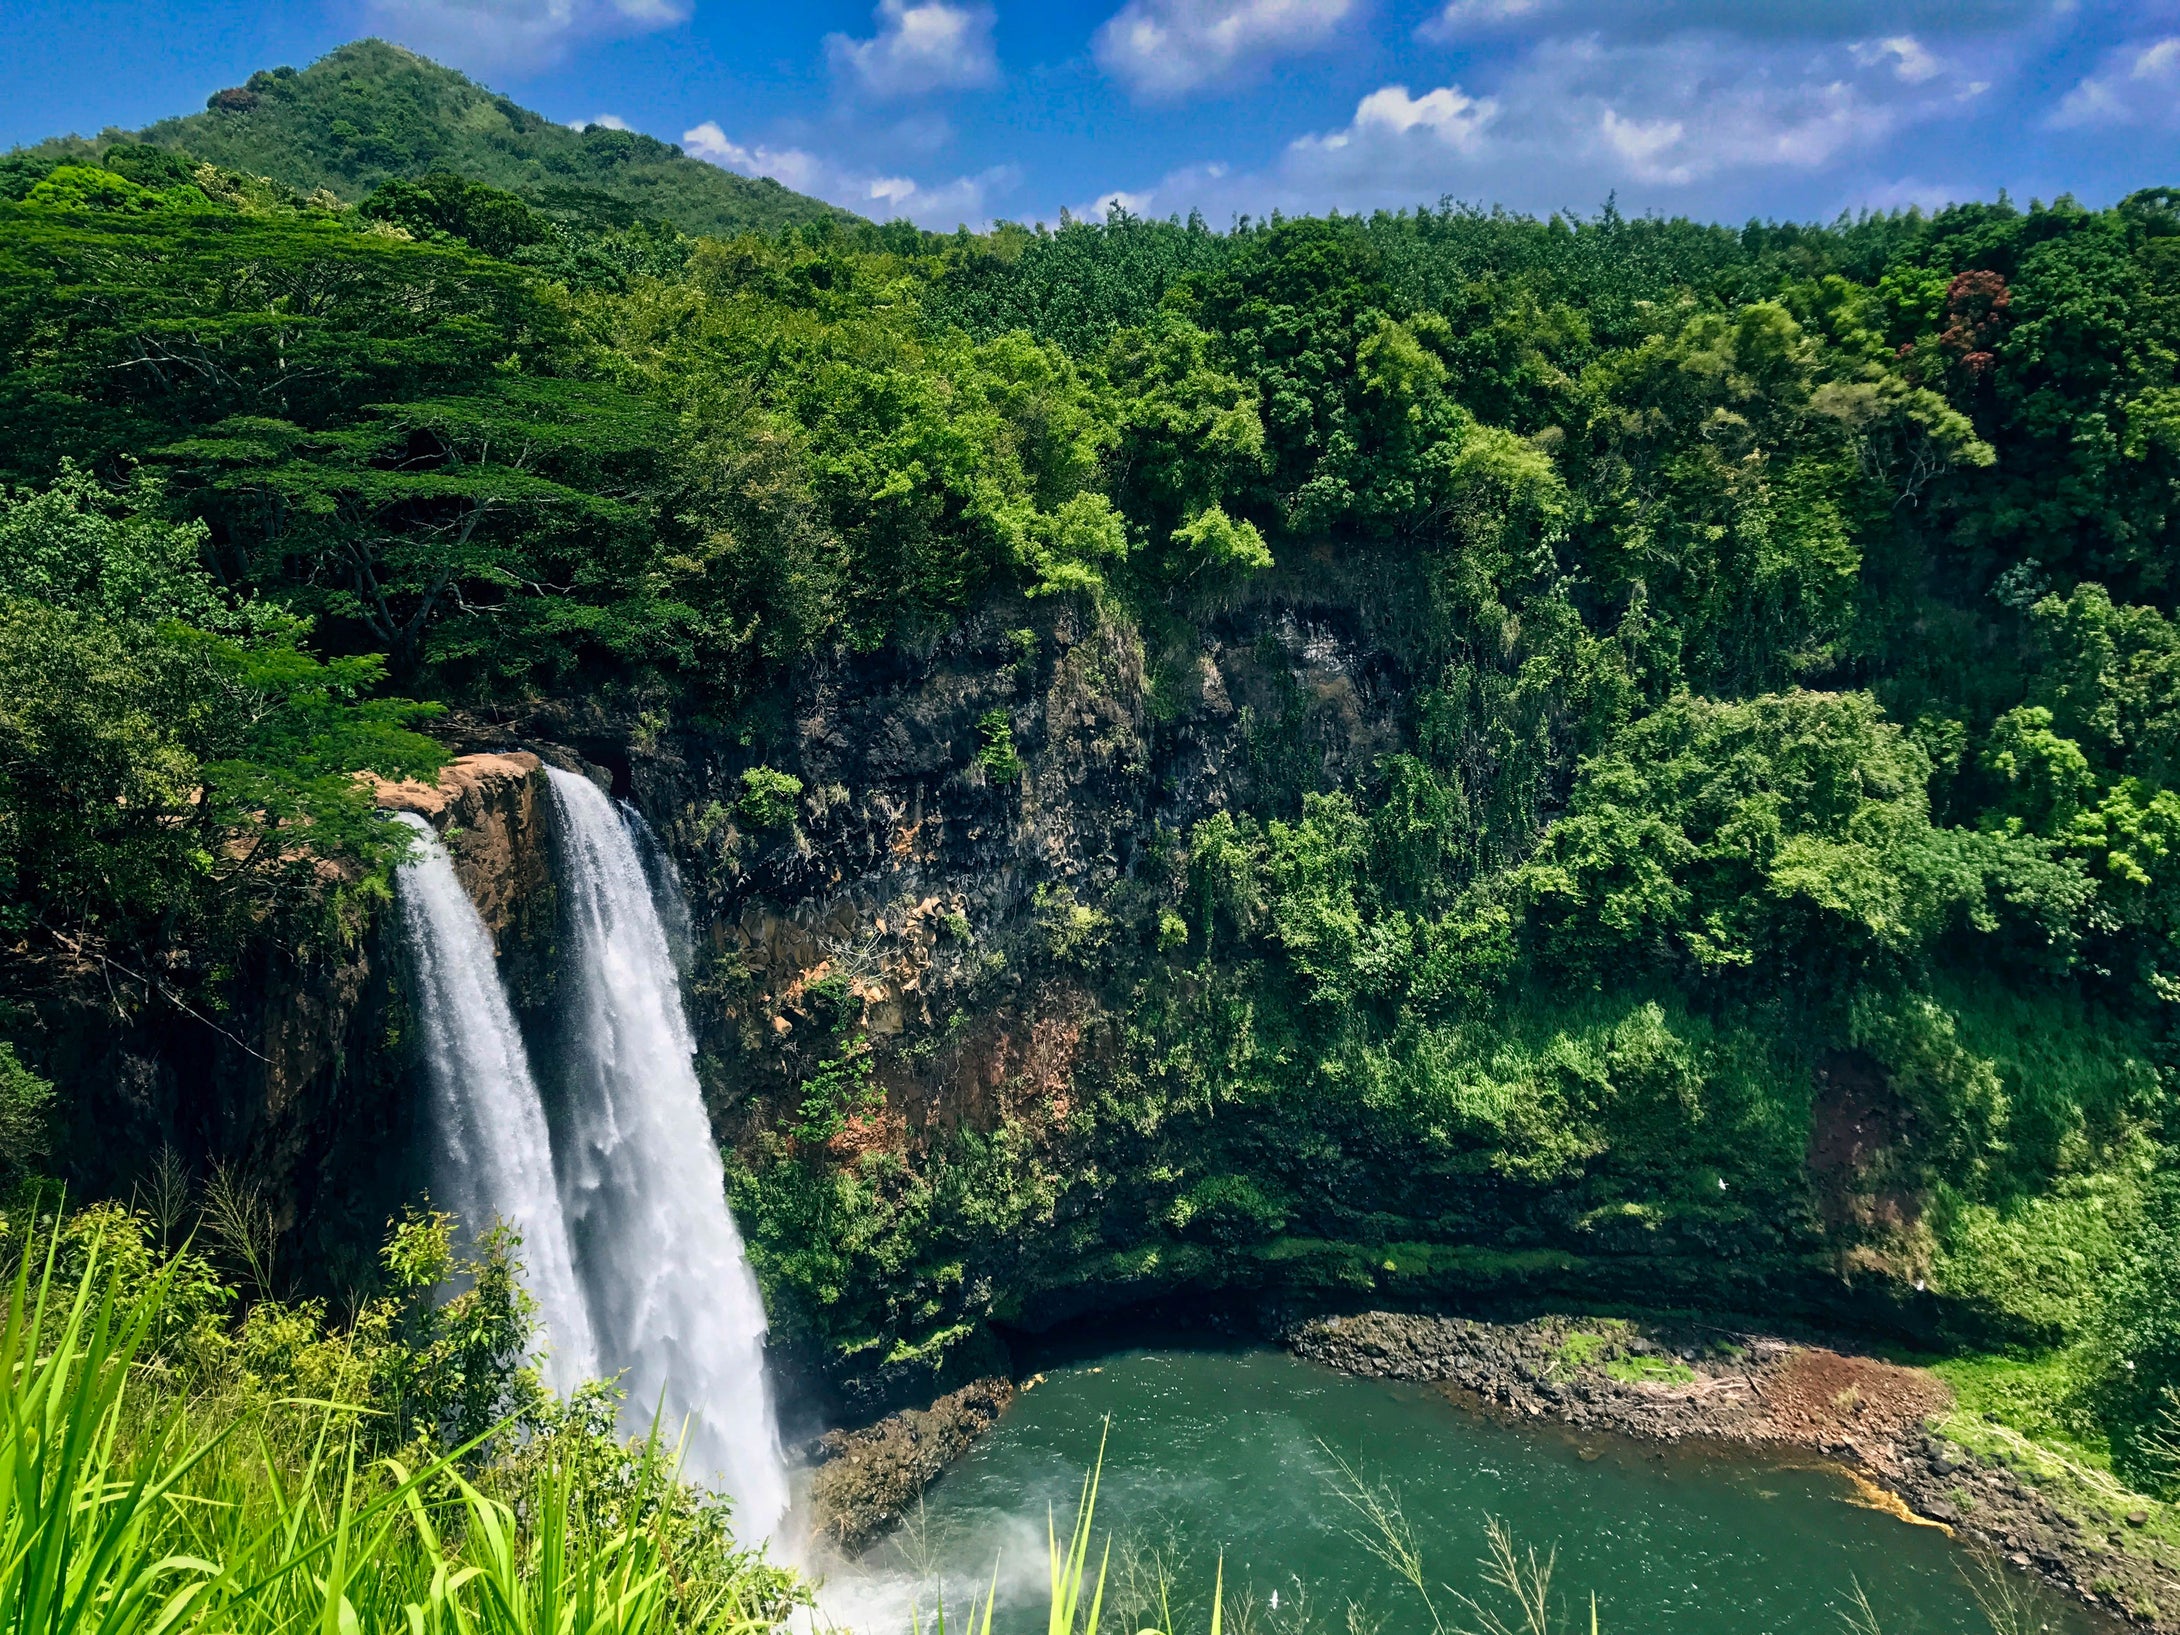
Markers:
point(867, 1479)
point(1891, 1428)
point(1657, 1383)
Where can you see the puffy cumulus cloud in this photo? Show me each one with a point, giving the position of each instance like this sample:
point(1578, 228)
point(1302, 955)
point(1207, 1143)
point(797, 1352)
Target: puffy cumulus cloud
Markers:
point(931, 46)
point(1390, 121)
point(514, 34)
point(2139, 84)
point(790, 167)
point(1667, 116)
point(1162, 48)
point(610, 122)
point(868, 193)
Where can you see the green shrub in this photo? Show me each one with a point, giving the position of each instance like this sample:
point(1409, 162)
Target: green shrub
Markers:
point(1649, 1370)
point(768, 798)
point(243, 1496)
point(1229, 1209)
point(26, 1111)
point(995, 752)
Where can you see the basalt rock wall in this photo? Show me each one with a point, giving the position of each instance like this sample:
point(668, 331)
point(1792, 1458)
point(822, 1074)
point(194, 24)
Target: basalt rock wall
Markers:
point(957, 909)
point(973, 819)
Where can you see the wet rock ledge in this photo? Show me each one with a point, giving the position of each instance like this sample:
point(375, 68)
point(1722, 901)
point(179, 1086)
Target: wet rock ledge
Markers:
point(1876, 1418)
point(868, 1478)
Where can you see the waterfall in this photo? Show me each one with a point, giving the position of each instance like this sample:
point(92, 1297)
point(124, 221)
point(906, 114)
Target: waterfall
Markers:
point(490, 1152)
point(672, 1296)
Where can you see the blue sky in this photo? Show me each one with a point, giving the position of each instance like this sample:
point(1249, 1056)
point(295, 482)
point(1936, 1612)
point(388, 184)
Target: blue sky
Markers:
point(967, 110)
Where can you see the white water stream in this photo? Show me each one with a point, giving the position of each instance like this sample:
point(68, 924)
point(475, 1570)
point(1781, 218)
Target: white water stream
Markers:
point(672, 1297)
point(490, 1154)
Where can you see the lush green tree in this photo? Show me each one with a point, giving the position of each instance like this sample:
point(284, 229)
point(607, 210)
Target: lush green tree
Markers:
point(130, 317)
point(177, 772)
point(442, 510)
point(488, 219)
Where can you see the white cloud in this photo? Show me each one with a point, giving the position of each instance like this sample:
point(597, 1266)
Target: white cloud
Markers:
point(1911, 62)
point(1162, 48)
point(1696, 107)
point(1134, 204)
point(514, 34)
point(1642, 143)
point(2139, 84)
point(1684, 122)
point(868, 193)
point(1184, 188)
point(932, 46)
point(1448, 116)
point(790, 167)
point(1665, 116)
point(611, 122)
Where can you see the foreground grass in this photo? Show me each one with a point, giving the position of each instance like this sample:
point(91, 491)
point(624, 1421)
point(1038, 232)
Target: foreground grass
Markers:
point(136, 1503)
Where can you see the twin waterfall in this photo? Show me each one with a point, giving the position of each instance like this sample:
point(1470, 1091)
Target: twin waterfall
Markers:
point(628, 1246)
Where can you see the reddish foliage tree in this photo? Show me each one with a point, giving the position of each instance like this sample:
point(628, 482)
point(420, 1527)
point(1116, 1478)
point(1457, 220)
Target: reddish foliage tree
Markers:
point(1975, 312)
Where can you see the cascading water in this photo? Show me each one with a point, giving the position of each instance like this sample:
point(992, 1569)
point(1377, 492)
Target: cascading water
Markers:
point(671, 1294)
point(491, 1155)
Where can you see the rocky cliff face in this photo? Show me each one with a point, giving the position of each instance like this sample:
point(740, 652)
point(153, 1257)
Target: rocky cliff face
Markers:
point(963, 811)
point(938, 929)
point(295, 1088)
point(492, 812)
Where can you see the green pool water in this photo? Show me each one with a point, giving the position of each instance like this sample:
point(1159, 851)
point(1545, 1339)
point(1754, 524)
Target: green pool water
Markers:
point(1215, 1451)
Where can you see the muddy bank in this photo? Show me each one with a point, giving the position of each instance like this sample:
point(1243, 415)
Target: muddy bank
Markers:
point(1656, 1382)
point(867, 1478)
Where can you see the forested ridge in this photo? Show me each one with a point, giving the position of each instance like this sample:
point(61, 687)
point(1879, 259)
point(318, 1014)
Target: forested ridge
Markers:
point(1766, 891)
point(371, 113)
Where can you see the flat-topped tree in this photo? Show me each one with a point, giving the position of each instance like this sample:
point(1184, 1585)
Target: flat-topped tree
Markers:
point(380, 432)
point(435, 505)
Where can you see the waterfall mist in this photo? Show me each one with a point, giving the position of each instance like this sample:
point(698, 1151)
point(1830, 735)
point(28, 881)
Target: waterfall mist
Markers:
point(672, 1296)
point(490, 1154)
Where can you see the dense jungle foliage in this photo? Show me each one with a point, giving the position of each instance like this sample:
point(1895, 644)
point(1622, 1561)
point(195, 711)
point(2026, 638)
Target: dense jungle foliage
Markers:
point(1791, 737)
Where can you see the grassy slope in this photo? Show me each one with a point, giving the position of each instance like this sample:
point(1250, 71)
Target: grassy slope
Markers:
point(370, 111)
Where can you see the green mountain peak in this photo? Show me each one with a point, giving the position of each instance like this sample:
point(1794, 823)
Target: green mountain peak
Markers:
point(372, 112)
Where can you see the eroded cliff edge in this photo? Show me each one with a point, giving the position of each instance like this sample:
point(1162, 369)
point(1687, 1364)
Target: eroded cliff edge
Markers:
point(492, 813)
